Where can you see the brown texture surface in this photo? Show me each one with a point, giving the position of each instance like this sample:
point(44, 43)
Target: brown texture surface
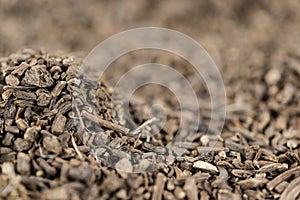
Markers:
point(255, 45)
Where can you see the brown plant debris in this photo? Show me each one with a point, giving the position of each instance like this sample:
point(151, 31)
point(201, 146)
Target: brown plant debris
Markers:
point(58, 142)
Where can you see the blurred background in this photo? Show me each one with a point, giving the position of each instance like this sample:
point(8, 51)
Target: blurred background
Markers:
point(241, 28)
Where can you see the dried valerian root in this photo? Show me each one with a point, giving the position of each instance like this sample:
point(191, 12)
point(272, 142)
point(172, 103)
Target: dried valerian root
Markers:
point(59, 138)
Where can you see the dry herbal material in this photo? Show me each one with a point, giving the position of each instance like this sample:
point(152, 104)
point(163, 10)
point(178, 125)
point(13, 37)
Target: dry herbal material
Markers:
point(57, 141)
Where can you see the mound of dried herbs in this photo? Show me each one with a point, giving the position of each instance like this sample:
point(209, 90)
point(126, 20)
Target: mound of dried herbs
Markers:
point(48, 151)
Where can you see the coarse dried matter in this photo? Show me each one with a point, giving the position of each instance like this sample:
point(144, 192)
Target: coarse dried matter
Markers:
point(55, 139)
